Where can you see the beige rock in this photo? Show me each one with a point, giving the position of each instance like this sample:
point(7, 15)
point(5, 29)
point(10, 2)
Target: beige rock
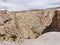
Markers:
point(50, 38)
point(25, 24)
point(34, 21)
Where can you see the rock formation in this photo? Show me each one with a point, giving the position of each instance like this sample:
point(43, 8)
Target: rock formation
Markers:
point(25, 24)
point(55, 24)
point(28, 24)
point(50, 38)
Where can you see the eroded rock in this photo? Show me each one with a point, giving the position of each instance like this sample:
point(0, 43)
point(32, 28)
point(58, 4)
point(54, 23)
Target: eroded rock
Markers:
point(25, 24)
point(50, 38)
point(32, 23)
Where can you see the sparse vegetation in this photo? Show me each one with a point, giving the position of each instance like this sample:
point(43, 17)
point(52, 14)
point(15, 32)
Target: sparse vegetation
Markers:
point(3, 35)
point(14, 37)
point(0, 35)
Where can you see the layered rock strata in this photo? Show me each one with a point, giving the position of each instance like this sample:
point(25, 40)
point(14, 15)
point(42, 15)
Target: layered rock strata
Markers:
point(27, 24)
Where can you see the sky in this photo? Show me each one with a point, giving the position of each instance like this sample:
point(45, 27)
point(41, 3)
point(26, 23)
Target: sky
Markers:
point(28, 4)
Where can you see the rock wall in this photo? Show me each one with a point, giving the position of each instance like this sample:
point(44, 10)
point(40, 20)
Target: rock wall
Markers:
point(55, 24)
point(32, 23)
point(25, 24)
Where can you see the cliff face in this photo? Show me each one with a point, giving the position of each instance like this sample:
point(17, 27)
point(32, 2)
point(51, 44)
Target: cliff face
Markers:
point(32, 23)
point(55, 24)
point(29, 24)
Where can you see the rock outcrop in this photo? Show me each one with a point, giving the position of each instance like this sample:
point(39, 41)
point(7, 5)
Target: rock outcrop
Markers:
point(50, 38)
point(28, 24)
point(55, 24)
point(32, 23)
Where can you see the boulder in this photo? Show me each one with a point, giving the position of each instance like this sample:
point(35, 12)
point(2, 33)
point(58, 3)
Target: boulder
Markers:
point(50, 38)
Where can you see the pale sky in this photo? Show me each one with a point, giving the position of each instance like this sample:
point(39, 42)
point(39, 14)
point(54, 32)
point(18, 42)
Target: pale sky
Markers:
point(28, 4)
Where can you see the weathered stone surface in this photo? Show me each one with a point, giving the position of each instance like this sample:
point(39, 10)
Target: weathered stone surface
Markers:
point(8, 43)
point(25, 24)
point(51, 38)
point(55, 24)
point(32, 23)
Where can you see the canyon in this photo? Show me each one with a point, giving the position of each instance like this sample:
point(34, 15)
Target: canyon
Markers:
point(29, 24)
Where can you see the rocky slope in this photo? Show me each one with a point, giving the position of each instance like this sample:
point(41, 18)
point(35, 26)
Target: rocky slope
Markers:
point(51, 38)
point(28, 24)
